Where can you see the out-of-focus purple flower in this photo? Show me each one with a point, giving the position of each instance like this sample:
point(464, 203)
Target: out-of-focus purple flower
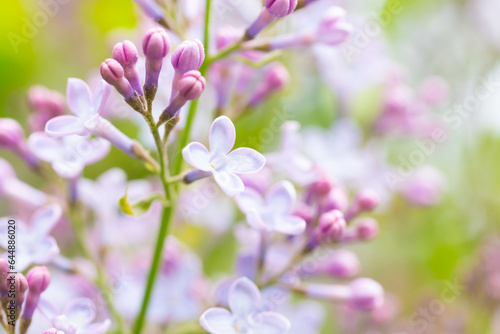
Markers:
point(274, 212)
point(367, 228)
point(288, 159)
point(275, 79)
point(333, 29)
point(45, 104)
point(220, 162)
point(34, 244)
point(331, 226)
point(38, 281)
point(18, 284)
point(16, 189)
point(155, 45)
point(53, 331)
point(434, 90)
point(70, 154)
point(363, 294)
point(180, 281)
point(424, 187)
point(151, 8)
point(244, 301)
point(12, 139)
point(126, 54)
point(76, 318)
point(341, 263)
point(87, 119)
point(366, 294)
point(366, 200)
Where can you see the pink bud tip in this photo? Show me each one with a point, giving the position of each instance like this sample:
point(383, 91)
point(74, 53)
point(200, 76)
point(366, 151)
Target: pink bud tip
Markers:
point(125, 53)
point(11, 134)
point(111, 71)
point(331, 225)
point(342, 263)
point(38, 279)
point(44, 100)
point(53, 331)
point(191, 85)
point(277, 77)
point(281, 8)
point(156, 44)
point(189, 55)
point(367, 229)
point(366, 294)
point(367, 200)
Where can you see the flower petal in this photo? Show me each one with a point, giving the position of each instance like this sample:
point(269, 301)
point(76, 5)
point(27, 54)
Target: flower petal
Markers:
point(291, 225)
point(245, 161)
point(68, 170)
point(244, 297)
point(256, 221)
point(80, 311)
point(46, 251)
point(249, 199)
point(222, 136)
point(217, 320)
point(94, 150)
point(78, 96)
point(230, 183)
point(45, 148)
point(98, 327)
point(65, 125)
point(197, 155)
point(44, 219)
point(272, 323)
point(281, 197)
point(100, 96)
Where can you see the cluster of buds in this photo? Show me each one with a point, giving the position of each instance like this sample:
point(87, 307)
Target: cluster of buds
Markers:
point(188, 84)
point(17, 291)
point(44, 104)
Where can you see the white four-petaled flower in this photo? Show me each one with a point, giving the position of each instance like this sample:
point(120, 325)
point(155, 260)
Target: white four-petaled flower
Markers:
point(274, 212)
point(223, 164)
point(245, 316)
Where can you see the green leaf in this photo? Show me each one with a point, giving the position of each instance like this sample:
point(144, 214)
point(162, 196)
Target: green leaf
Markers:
point(125, 205)
point(141, 207)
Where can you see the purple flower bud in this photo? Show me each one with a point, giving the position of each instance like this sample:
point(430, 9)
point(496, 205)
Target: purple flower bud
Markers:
point(366, 294)
point(11, 134)
point(275, 79)
point(337, 293)
point(333, 29)
point(331, 226)
point(12, 139)
point(19, 284)
point(191, 85)
point(188, 56)
point(265, 18)
point(126, 54)
point(367, 229)
point(45, 104)
point(367, 200)
point(335, 200)
point(342, 263)
point(112, 72)
point(38, 279)
point(155, 45)
point(281, 8)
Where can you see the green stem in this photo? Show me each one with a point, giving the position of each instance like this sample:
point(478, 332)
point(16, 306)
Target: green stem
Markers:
point(101, 281)
point(166, 218)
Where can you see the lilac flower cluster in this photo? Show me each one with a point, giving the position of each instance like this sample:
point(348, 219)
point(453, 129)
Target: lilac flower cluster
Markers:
point(104, 255)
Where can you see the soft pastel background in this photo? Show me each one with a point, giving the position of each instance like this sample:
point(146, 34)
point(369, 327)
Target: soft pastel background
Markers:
point(419, 249)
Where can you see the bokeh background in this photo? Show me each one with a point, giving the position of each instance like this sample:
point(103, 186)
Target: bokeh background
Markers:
point(419, 249)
